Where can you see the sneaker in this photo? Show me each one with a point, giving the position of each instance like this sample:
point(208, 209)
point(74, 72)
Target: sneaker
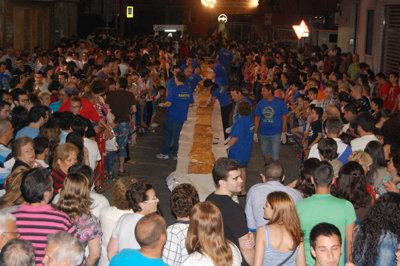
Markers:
point(162, 156)
point(154, 125)
point(175, 158)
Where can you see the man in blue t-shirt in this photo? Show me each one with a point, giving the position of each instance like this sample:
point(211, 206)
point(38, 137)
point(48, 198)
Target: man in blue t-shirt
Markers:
point(151, 234)
point(177, 102)
point(225, 57)
point(271, 120)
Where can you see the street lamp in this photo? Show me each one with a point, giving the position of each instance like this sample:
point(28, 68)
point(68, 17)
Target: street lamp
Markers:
point(209, 3)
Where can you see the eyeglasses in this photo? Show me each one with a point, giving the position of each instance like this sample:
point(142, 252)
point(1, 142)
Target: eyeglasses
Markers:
point(150, 201)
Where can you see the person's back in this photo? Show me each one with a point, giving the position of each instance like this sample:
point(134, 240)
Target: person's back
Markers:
point(120, 102)
point(278, 247)
point(323, 207)
point(255, 200)
point(150, 233)
point(37, 219)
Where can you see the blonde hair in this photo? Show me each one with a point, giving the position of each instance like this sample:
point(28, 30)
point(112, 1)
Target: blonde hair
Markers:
point(284, 213)
point(120, 187)
point(75, 196)
point(206, 234)
point(62, 152)
point(362, 158)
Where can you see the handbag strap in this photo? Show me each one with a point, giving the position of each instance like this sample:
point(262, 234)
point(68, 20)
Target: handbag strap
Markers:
point(287, 258)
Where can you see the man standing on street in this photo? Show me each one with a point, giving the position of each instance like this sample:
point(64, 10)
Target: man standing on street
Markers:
point(177, 102)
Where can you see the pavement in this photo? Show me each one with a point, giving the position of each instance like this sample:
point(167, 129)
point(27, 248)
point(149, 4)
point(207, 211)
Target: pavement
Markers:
point(147, 167)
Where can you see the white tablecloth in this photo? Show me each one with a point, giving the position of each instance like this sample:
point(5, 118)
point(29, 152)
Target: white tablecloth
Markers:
point(202, 182)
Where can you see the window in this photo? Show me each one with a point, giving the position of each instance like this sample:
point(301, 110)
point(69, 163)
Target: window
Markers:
point(370, 30)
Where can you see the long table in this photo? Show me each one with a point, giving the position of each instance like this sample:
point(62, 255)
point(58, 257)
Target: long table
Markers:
point(203, 183)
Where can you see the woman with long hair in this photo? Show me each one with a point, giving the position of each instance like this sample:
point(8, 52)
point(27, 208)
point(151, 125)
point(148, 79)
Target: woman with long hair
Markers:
point(280, 241)
point(377, 174)
point(352, 185)
point(377, 238)
point(75, 201)
point(205, 241)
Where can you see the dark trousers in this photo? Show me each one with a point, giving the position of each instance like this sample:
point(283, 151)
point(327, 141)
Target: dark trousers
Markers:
point(226, 117)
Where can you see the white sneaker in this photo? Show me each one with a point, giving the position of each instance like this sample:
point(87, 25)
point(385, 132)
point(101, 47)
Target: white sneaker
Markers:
point(154, 125)
point(162, 156)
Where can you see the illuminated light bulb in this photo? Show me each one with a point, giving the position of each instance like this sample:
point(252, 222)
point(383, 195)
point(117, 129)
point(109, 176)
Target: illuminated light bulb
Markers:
point(209, 3)
point(254, 3)
point(301, 30)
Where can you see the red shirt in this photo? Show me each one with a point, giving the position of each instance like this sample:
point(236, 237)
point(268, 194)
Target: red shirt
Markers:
point(391, 97)
point(88, 111)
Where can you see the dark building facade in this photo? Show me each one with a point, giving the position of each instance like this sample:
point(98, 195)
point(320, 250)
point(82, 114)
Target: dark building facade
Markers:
point(25, 24)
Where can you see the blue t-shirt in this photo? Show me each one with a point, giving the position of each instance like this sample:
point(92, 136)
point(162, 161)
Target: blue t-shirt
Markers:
point(243, 129)
point(27, 132)
point(221, 77)
point(193, 81)
point(4, 154)
point(270, 113)
point(221, 94)
point(132, 257)
point(179, 96)
point(54, 107)
point(170, 84)
point(225, 57)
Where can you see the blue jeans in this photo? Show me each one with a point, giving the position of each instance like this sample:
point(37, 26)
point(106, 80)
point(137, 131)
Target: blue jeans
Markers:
point(110, 161)
point(270, 146)
point(171, 132)
point(122, 135)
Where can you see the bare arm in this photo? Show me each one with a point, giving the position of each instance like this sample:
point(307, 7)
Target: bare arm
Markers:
point(349, 241)
point(94, 251)
point(232, 141)
point(246, 246)
point(256, 124)
point(301, 256)
point(112, 248)
point(260, 247)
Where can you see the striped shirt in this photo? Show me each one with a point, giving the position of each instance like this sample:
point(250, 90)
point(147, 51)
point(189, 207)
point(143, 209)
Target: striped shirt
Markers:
point(35, 223)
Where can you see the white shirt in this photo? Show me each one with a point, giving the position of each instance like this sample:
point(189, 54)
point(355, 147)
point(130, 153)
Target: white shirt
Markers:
point(124, 231)
point(314, 153)
point(198, 259)
point(175, 251)
point(109, 217)
point(360, 143)
point(99, 202)
point(94, 153)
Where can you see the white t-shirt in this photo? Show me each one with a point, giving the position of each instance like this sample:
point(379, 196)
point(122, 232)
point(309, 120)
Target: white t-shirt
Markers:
point(124, 231)
point(99, 202)
point(314, 153)
point(94, 153)
point(360, 143)
point(198, 259)
point(109, 217)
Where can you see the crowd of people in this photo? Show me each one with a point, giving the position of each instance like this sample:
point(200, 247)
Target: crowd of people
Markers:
point(69, 118)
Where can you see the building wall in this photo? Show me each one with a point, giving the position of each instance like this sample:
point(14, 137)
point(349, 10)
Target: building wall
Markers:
point(346, 25)
point(375, 59)
point(25, 24)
